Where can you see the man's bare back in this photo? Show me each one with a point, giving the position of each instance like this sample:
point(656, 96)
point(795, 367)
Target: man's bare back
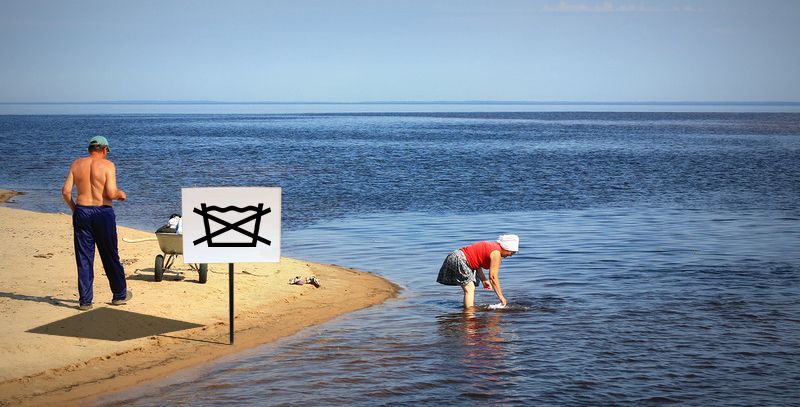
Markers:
point(94, 223)
point(96, 179)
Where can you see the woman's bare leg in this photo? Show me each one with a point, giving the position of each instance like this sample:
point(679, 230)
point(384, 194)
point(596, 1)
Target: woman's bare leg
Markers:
point(469, 294)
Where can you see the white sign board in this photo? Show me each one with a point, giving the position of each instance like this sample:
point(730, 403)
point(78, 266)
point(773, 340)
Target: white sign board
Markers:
point(231, 224)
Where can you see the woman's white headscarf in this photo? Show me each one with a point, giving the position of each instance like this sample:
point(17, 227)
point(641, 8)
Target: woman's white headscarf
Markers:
point(509, 242)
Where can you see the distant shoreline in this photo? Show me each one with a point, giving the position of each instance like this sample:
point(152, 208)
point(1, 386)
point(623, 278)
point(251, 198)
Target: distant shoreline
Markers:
point(168, 107)
point(418, 102)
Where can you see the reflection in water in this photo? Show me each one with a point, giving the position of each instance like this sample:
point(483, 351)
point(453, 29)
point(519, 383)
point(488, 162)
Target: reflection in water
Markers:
point(473, 330)
point(478, 337)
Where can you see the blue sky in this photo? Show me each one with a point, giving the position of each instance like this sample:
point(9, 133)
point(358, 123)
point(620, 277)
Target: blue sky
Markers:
point(349, 50)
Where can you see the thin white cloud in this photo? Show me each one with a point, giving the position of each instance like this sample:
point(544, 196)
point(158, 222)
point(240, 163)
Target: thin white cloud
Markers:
point(688, 9)
point(564, 6)
point(607, 6)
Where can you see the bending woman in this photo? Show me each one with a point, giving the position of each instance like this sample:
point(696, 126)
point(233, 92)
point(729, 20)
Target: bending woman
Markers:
point(462, 266)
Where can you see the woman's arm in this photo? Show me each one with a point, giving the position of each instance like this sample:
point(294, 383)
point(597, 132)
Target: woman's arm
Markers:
point(494, 275)
point(484, 280)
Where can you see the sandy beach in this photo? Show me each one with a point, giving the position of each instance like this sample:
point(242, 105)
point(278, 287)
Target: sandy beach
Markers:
point(55, 354)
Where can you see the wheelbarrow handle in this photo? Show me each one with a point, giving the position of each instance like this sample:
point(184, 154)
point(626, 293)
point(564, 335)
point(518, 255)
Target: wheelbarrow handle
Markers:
point(146, 239)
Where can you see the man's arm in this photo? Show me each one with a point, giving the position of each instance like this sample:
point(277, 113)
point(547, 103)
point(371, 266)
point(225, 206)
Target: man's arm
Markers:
point(111, 190)
point(494, 275)
point(66, 190)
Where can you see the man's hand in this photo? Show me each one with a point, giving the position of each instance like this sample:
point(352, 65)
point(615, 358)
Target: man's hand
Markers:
point(487, 285)
point(121, 195)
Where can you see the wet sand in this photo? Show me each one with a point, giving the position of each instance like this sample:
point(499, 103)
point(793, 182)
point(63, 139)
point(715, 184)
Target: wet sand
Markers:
point(55, 354)
point(6, 195)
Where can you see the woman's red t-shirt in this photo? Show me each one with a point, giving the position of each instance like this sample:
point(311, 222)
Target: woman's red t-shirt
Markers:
point(478, 254)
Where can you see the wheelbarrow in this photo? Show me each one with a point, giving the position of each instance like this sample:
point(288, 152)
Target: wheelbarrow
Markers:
point(171, 245)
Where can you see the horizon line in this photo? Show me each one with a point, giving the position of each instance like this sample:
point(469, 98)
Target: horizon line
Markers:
point(416, 102)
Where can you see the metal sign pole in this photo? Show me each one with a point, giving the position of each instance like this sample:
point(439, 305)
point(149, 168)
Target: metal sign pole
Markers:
point(230, 298)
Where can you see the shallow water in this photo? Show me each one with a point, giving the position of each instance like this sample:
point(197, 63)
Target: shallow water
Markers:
point(658, 262)
point(662, 306)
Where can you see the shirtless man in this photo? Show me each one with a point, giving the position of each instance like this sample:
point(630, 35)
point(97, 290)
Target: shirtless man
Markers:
point(94, 222)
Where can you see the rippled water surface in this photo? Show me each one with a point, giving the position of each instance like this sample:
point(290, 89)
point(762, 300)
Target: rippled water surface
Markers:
point(339, 165)
point(659, 253)
point(607, 307)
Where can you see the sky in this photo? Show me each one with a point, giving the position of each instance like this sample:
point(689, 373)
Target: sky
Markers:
point(374, 50)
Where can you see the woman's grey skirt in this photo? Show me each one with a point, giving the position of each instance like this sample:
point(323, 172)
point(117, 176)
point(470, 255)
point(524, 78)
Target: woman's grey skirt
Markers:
point(455, 270)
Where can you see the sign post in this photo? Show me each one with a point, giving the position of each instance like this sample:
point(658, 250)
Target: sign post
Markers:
point(230, 300)
point(230, 225)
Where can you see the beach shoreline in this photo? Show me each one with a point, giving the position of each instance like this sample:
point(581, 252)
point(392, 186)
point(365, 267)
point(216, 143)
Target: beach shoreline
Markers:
point(56, 354)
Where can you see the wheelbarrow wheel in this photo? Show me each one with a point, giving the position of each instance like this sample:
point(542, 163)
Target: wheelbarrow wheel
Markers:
point(203, 272)
point(159, 268)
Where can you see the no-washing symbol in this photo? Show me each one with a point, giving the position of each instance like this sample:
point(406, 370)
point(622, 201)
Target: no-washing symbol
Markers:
point(231, 224)
point(233, 232)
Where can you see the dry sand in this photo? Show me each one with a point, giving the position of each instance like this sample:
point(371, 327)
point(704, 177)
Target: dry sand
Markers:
point(55, 354)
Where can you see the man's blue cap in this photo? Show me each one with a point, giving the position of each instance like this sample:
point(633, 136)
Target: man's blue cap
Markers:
point(99, 141)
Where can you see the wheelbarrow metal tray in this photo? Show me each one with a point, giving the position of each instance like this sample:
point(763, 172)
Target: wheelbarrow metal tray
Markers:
point(170, 243)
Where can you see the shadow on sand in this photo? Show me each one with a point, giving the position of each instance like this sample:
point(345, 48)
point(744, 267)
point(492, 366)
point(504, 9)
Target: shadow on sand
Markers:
point(60, 302)
point(111, 324)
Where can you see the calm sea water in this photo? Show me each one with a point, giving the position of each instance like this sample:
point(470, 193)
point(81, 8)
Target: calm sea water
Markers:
point(659, 253)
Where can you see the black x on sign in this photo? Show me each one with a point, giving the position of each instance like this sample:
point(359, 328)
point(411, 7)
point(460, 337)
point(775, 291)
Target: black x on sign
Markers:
point(205, 212)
